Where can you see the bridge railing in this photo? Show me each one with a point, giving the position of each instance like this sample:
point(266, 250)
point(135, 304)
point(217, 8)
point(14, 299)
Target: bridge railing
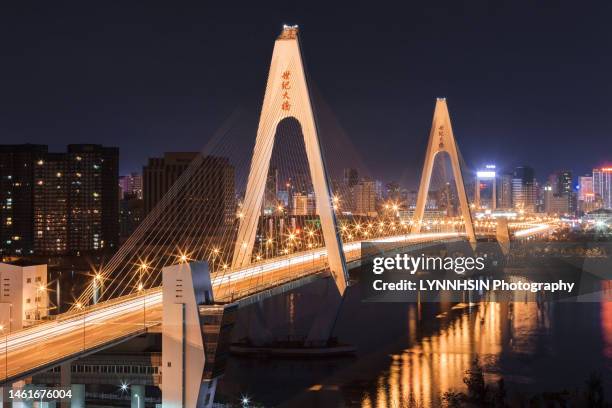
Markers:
point(78, 333)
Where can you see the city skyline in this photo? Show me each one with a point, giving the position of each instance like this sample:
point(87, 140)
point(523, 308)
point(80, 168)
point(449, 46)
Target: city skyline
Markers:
point(176, 91)
point(202, 268)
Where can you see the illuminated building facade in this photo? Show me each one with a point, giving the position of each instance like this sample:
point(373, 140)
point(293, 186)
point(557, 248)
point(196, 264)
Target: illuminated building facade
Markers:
point(364, 194)
point(17, 163)
point(93, 189)
point(131, 185)
point(524, 189)
point(559, 196)
point(555, 204)
point(58, 203)
point(24, 298)
point(586, 197)
point(303, 204)
point(485, 196)
point(51, 206)
point(504, 191)
point(271, 201)
point(602, 185)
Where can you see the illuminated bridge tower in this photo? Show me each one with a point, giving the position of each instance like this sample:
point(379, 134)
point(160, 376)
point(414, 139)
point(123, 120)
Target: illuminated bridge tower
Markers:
point(287, 96)
point(441, 139)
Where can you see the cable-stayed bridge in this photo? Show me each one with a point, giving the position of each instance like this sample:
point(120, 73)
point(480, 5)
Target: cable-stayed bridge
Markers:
point(198, 255)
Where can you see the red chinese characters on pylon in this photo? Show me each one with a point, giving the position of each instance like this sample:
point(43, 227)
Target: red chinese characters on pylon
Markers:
point(285, 87)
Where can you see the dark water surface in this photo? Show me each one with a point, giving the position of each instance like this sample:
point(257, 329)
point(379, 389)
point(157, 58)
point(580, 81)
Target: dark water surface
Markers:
point(409, 354)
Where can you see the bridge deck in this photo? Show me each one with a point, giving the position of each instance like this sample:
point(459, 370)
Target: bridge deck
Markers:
point(76, 334)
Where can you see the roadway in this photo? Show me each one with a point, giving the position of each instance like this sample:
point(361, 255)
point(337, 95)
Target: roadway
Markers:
point(78, 333)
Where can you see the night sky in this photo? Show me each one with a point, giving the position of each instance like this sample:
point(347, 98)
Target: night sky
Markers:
point(527, 82)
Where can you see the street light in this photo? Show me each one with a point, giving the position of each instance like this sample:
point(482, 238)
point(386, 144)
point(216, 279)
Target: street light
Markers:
point(79, 306)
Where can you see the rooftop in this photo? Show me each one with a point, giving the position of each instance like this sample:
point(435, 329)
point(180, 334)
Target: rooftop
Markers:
point(22, 263)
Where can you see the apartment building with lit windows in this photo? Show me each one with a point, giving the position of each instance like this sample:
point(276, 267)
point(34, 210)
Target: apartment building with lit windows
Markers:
point(58, 203)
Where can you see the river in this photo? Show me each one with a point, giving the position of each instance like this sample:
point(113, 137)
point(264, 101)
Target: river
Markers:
point(409, 354)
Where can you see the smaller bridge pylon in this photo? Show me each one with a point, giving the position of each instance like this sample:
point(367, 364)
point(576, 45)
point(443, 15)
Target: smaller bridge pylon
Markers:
point(442, 139)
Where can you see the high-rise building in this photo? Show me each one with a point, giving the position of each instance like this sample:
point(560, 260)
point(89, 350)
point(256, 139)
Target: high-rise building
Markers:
point(364, 194)
point(561, 188)
point(303, 204)
point(602, 186)
point(131, 214)
point(392, 191)
point(555, 204)
point(93, 189)
point(212, 184)
point(131, 185)
point(585, 188)
point(486, 188)
point(444, 200)
point(51, 204)
point(351, 177)
point(17, 163)
point(160, 174)
point(504, 192)
point(586, 197)
point(524, 189)
point(412, 198)
point(380, 191)
point(345, 192)
point(270, 201)
point(57, 203)
point(561, 182)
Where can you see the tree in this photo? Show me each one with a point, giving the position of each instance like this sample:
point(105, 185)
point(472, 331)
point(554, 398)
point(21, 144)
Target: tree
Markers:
point(474, 379)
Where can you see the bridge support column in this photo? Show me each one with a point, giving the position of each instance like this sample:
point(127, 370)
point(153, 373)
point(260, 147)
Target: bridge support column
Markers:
point(78, 390)
point(137, 397)
point(65, 381)
point(185, 287)
point(17, 404)
point(323, 325)
point(258, 333)
point(78, 396)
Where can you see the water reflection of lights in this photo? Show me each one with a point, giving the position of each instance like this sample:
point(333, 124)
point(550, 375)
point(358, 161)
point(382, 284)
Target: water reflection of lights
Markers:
point(606, 317)
point(436, 363)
